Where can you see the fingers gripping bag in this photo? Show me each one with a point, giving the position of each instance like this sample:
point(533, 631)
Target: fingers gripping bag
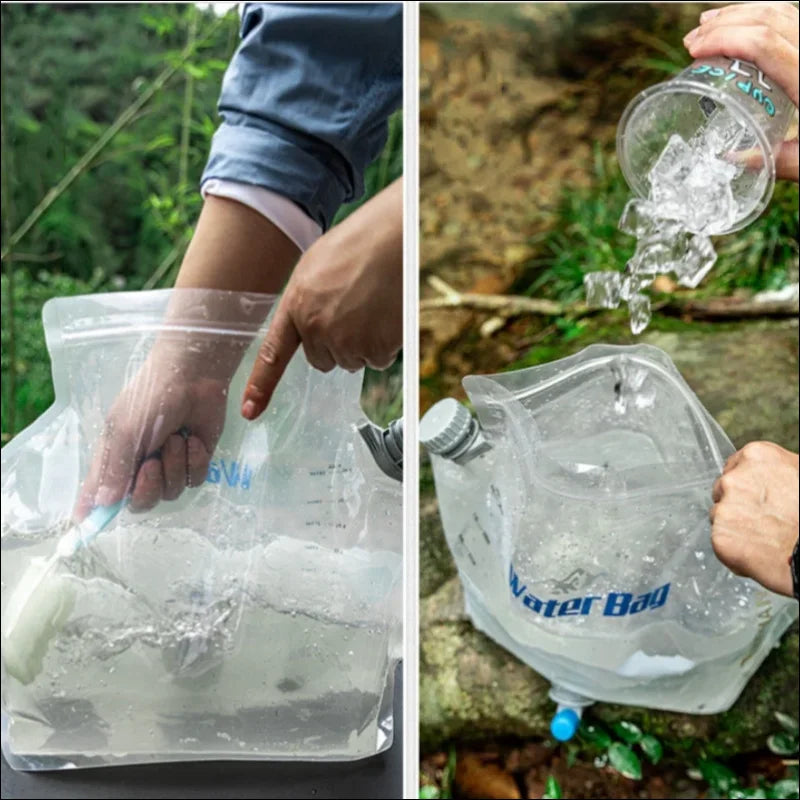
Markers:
point(253, 615)
point(576, 508)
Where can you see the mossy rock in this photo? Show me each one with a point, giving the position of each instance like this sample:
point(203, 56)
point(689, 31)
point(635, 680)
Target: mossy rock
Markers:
point(436, 563)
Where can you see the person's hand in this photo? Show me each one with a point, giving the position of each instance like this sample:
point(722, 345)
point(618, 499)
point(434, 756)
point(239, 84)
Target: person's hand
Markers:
point(755, 514)
point(158, 437)
point(164, 425)
point(765, 34)
point(343, 303)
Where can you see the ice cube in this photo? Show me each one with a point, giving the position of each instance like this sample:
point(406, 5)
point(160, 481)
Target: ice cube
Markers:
point(634, 283)
point(644, 220)
point(602, 289)
point(670, 200)
point(697, 262)
point(657, 256)
point(638, 218)
point(710, 203)
point(667, 229)
point(673, 164)
point(721, 135)
point(639, 311)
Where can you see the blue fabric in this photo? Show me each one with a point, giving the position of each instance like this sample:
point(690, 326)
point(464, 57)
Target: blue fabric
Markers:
point(306, 99)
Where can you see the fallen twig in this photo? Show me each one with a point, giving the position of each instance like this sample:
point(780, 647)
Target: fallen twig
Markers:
point(729, 308)
point(722, 308)
point(500, 304)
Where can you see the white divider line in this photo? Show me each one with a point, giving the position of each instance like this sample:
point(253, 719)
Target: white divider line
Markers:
point(411, 402)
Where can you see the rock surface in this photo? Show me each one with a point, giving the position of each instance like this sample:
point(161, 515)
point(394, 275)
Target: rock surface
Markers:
point(472, 689)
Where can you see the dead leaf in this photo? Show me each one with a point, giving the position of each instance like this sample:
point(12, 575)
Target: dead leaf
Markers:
point(663, 283)
point(490, 283)
point(534, 754)
point(478, 779)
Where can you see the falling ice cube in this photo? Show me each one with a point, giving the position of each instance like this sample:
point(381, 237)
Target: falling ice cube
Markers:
point(697, 262)
point(638, 218)
point(602, 289)
point(658, 256)
point(639, 311)
point(634, 283)
point(667, 229)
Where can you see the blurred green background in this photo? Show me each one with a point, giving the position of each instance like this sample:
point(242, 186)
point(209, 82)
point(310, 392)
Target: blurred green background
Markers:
point(68, 72)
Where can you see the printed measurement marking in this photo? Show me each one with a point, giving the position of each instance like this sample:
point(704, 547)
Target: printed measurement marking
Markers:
point(466, 549)
point(481, 529)
point(496, 496)
point(331, 469)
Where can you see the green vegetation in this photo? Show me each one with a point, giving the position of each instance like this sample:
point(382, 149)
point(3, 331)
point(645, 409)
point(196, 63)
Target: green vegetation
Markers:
point(444, 789)
point(625, 748)
point(71, 74)
point(552, 789)
point(616, 747)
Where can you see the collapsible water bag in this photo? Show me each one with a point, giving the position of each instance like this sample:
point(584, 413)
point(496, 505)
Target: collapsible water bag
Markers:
point(577, 513)
point(256, 616)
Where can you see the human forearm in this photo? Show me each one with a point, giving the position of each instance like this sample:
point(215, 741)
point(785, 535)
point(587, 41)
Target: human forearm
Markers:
point(234, 249)
point(237, 249)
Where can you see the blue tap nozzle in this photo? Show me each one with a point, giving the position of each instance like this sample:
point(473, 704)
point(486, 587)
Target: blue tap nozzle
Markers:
point(564, 724)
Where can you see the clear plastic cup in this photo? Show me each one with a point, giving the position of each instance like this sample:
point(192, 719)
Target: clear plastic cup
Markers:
point(687, 103)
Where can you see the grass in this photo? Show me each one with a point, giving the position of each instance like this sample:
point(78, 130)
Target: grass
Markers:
point(586, 238)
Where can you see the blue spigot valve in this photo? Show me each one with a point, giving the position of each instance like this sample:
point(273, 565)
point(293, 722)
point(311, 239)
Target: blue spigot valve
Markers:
point(564, 724)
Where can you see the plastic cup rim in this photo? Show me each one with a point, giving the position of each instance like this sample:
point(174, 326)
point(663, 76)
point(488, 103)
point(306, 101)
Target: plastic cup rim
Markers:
point(636, 182)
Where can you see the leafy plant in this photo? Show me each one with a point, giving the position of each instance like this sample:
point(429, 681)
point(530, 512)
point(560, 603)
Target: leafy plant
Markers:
point(617, 747)
point(445, 788)
point(785, 742)
point(724, 783)
point(552, 789)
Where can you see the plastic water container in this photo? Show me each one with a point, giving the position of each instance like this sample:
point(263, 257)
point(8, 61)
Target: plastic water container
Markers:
point(255, 617)
point(689, 103)
point(577, 514)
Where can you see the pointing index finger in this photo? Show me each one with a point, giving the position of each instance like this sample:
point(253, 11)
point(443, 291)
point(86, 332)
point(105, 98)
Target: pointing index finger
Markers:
point(274, 355)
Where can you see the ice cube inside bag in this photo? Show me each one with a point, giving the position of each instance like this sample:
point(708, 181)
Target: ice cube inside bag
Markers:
point(582, 535)
point(257, 616)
